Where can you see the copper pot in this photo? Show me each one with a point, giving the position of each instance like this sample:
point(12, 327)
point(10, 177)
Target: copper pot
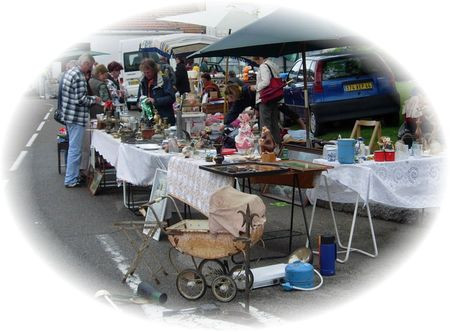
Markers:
point(148, 133)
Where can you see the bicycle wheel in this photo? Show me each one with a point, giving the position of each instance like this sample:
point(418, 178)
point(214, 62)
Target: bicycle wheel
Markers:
point(210, 269)
point(224, 288)
point(191, 284)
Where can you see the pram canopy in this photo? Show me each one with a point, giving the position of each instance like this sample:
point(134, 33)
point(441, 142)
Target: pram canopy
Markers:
point(224, 207)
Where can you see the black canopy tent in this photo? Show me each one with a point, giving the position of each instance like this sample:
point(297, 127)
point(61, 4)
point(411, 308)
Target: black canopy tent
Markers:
point(279, 33)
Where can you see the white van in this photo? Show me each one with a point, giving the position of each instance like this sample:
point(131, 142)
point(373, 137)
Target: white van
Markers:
point(155, 47)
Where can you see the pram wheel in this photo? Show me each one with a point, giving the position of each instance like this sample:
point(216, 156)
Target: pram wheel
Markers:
point(210, 269)
point(224, 288)
point(191, 284)
point(237, 273)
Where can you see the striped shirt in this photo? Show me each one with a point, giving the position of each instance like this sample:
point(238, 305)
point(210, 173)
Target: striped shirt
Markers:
point(75, 101)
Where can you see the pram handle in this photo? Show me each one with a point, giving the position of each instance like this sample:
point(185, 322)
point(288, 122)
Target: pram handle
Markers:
point(157, 200)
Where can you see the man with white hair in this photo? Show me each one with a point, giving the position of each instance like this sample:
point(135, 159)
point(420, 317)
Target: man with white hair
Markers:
point(75, 104)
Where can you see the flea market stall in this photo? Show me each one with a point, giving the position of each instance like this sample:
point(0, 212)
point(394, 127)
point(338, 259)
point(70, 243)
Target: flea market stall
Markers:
point(198, 164)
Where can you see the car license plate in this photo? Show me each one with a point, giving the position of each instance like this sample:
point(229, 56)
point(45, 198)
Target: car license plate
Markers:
point(358, 86)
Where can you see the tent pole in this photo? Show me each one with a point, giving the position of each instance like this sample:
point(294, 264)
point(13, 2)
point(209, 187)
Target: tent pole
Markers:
point(305, 94)
point(225, 99)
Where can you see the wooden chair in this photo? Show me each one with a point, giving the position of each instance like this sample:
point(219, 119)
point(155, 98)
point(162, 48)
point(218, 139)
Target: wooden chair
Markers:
point(376, 134)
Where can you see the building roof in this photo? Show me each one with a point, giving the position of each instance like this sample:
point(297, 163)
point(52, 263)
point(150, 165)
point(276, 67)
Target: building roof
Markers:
point(148, 20)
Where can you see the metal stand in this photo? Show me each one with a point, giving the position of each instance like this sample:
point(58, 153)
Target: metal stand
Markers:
point(128, 197)
point(63, 148)
point(137, 227)
point(347, 248)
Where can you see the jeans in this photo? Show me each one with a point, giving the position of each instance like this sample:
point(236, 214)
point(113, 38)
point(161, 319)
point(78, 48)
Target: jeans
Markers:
point(76, 134)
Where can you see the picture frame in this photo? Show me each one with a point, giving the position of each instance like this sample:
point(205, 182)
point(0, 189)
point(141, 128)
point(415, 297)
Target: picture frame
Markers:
point(95, 181)
point(159, 188)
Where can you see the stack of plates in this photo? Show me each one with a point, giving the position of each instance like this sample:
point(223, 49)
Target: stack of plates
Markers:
point(149, 146)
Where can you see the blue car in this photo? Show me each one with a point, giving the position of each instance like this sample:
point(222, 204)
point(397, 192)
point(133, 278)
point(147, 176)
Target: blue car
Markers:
point(343, 87)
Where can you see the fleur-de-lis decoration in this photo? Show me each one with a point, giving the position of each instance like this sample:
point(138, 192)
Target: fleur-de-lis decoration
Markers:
point(248, 217)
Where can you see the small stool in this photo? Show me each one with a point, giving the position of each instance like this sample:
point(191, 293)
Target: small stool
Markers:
point(63, 147)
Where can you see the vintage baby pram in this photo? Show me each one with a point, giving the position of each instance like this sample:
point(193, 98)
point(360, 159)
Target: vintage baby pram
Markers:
point(220, 236)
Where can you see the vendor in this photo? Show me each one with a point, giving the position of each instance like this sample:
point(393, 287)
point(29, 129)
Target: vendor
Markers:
point(209, 86)
point(99, 88)
point(157, 89)
point(240, 98)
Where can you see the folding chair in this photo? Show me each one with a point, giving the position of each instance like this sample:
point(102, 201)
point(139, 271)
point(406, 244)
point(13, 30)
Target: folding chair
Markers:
point(376, 134)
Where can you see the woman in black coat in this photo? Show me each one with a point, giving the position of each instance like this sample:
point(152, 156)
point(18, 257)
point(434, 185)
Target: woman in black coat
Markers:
point(182, 80)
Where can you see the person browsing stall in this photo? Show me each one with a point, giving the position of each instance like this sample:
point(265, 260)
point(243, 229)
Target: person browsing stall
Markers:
point(75, 104)
point(158, 89)
point(99, 88)
point(115, 89)
point(269, 113)
point(182, 79)
point(232, 78)
point(240, 98)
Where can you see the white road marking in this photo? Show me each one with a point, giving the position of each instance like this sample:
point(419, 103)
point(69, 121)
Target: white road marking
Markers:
point(151, 310)
point(39, 128)
point(154, 311)
point(263, 317)
point(48, 114)
point(31, 141)
point(19, 159)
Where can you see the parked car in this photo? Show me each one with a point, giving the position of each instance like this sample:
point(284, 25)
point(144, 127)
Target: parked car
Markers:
point(342, 87)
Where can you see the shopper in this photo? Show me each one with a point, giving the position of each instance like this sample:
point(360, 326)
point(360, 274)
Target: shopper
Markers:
point(167, 71)
point(209, 86)
point(269, 113)
point(75, 104)
point(158, 89)
point(182, 79)
point(115, 89)
point(240, 99)
point(99, 88)
point(232, 78)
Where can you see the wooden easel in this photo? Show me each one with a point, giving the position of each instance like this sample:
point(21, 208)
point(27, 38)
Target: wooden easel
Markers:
point(376, 134)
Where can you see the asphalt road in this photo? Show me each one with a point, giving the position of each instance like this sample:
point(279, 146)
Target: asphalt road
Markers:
point(74, 232)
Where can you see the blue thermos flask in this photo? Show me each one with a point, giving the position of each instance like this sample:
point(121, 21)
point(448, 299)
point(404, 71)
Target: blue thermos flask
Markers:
point(327, 255)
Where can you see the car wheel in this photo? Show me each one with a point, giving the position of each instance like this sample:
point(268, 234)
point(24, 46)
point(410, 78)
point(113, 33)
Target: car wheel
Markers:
point(315, 127)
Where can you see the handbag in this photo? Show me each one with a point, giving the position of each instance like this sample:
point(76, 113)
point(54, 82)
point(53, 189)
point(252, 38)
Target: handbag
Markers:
point(274, 91)
point(58, 116)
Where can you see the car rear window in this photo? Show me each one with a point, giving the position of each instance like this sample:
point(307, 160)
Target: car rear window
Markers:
point(351, 67)
point(296, 73)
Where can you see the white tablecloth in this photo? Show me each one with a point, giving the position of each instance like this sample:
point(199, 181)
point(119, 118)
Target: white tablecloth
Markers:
point(138, 166)
point(106, 145)
point(133, 165)
point(411, 183)
point(192, 185)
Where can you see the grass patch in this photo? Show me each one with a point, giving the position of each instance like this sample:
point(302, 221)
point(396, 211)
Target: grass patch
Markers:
point(404, 89)
point(366, 133)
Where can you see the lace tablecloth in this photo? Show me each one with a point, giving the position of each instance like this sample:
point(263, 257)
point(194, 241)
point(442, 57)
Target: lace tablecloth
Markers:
point(411, 183)
point(191, 185)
